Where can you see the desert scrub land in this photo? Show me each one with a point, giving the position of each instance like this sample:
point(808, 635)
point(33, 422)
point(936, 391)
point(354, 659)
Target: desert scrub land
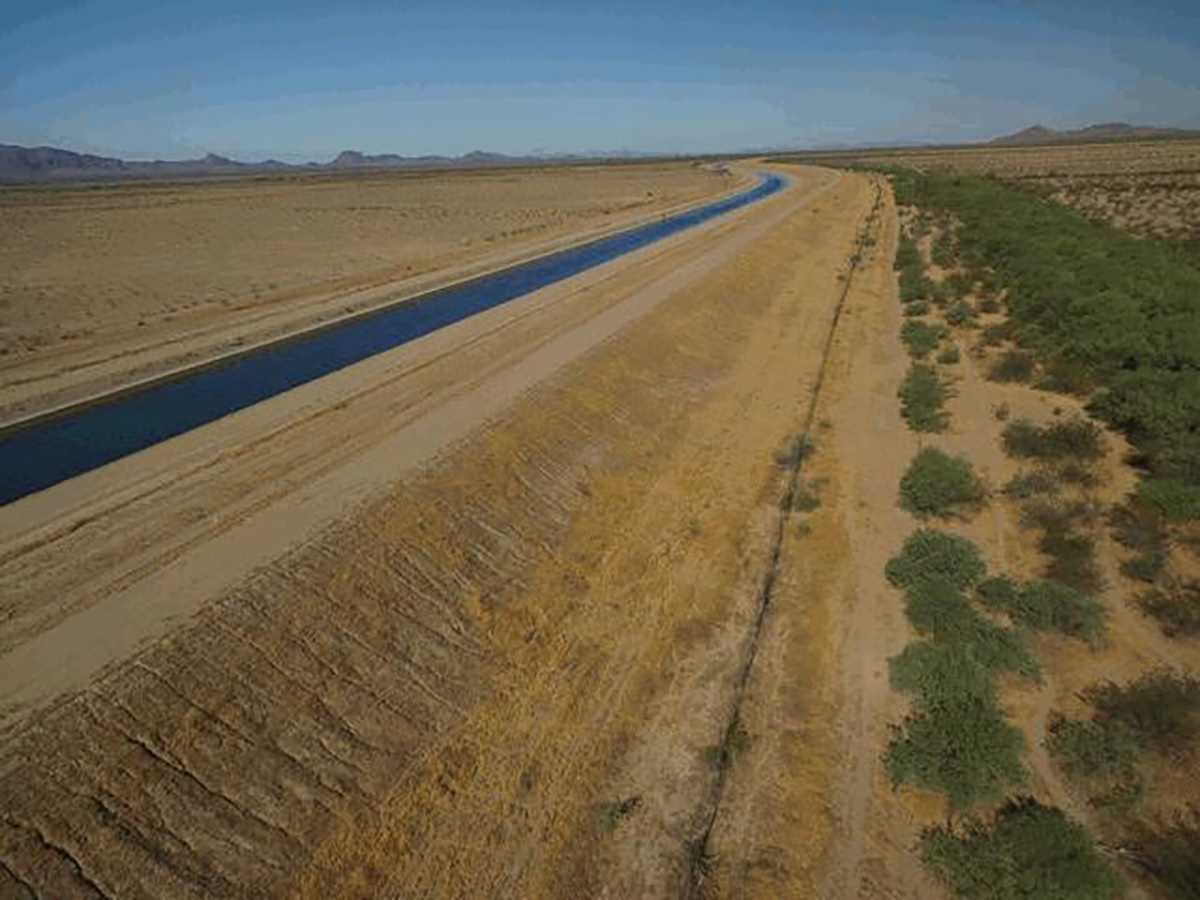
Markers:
point(1148, 188)
point(81, 263)
point(1056, 661)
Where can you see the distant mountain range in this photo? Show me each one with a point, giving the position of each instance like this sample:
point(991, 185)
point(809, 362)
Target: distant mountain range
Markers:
point(23, 165)
point(1107, 131)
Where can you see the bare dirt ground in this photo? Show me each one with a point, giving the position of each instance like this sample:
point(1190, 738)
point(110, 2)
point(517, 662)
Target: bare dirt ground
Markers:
point(102, 285)
point(449, 689)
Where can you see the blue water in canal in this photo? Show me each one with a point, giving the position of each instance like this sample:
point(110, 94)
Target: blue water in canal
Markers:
point(44, 453)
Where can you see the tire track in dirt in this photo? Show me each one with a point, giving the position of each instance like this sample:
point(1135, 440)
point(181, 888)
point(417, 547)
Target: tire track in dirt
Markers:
point(701, 860)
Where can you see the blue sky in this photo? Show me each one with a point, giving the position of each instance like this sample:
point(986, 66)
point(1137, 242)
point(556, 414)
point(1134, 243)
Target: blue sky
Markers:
point(302, 80)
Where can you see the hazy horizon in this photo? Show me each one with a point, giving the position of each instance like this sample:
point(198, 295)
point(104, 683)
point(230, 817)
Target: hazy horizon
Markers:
point(301, 82)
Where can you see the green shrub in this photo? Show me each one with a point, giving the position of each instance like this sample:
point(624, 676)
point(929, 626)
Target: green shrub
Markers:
point(937, 484)
point(1066, 377)
point(1122, 310)
point(942, 252)
point(1176, 608)
point(960, 314)
point(923, 395)
point(1050, 606)
point(921, 338)
point(1139, 527)
point(1071, 559)
point(908, 255)
point(1145, 567)
point(1000, 592)
point(931, 555)
point(1170, 855)
point(938, 674)
point(1074, 439)
point(1027, 851)
point(995, 335)
point(1024, 485)
point(1102, 757)
point(990, 306)
point(949, 355)
point(1172, 498)
point(917, 308)
point(939, 610)
point(964, 750)
point(1160, 709)
point(1015, 366)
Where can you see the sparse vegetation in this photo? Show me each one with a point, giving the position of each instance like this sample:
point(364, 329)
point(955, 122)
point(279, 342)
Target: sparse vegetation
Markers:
point(960, 315)
point(734, 742)
point(937, 484)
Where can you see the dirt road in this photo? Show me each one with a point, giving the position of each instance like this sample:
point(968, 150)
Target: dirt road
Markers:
point(415, 627)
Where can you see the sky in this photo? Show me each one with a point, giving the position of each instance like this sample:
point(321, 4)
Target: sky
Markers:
point(302, 80)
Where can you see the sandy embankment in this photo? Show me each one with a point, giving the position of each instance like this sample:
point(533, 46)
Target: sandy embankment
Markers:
point(104, 285)
point(444, 689)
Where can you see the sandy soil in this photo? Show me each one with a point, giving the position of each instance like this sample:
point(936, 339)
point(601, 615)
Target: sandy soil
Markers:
point(430, 692)
point(102, 285)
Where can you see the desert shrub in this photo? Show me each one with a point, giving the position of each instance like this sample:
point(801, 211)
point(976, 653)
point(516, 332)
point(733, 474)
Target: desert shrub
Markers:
point(964, 750)
point(990, 306)
point(1051, 606)
point(921, 338)
point(1102, 757)
point(1123, 309)
point(937, 484)
point(1025, 485)
point(949, 355)
point(1160, 709)
point(1071, 559)
point(938, 674)
point(917, 308)
point(1145, 567)
point(1170, 854)
point(995, 335)
point(1014, 366)
point(1139, 527)
point(908, 255)
point(1074, 439)
point(1027, 851)
point(1065, 376)
point(1173, 499)
point(931, 555)
point(923, 396)
point(941, 293)
point(940, 610)
point(1000, 592)
point(915, 286)
point(941, 250)
point(1075, 472)
point(960, 314)
point(1175, 606)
